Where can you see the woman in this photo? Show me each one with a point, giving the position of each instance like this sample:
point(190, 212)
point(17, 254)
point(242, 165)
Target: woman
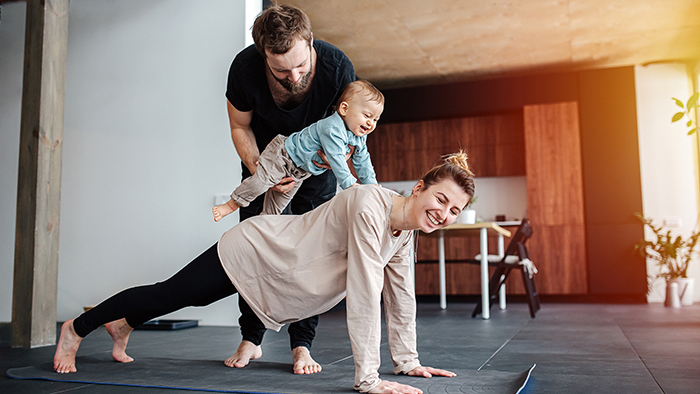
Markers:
point(290, 267)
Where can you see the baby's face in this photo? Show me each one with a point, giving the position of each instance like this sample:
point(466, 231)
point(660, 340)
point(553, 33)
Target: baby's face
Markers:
point(360, 115)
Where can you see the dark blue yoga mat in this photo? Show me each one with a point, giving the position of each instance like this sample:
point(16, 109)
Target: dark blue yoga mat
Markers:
point(257, 377)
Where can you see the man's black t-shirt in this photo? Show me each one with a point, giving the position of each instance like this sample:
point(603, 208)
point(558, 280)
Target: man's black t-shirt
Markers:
point(248, 90)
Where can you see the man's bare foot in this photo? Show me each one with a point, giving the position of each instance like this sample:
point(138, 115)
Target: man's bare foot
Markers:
point(120, 330)
point(221, 211)
point(303, 363)
point(246, 351)
point(68, 344)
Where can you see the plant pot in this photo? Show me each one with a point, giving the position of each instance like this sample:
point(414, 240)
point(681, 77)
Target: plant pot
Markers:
point(686, 290)
point(468, 216)
point(679, 292)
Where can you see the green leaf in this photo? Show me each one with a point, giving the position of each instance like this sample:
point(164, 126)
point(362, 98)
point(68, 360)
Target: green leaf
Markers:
point(692, 131)
point(692, 100)
point(690, 123)
point(678, 102)
point(678, 116)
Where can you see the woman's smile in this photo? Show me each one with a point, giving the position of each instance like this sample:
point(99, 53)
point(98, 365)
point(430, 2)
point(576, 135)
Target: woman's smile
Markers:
point(432, 219)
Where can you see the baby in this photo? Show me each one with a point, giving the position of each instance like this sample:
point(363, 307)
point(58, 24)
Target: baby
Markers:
point(358, 111)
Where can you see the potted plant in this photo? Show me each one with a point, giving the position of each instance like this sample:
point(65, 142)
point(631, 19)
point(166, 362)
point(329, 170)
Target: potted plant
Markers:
point(687, 110)
point(672, 256)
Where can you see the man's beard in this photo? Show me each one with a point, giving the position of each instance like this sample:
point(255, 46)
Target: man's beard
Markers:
point(295, 87)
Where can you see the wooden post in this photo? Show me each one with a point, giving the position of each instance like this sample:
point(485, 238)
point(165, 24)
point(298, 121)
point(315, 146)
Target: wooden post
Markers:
point(39, 177)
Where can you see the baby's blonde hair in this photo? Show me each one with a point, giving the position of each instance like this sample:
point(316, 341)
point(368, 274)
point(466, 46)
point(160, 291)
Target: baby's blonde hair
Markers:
point(455, 167)
point(361, 86)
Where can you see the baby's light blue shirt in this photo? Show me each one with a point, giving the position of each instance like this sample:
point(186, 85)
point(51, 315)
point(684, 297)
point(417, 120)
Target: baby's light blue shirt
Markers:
point(331, 136)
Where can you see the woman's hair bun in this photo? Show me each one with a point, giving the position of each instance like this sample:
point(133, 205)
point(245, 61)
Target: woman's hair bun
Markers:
point(459, 159)
point(453, 167)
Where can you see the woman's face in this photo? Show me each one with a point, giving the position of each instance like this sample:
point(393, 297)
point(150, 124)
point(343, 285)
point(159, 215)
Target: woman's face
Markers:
point(437, 206)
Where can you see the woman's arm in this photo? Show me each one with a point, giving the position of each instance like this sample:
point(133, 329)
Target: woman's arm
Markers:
point(400, 310)
point(367, 229)
point(364, 287)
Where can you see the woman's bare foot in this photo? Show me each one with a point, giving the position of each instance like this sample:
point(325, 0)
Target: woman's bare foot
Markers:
point(246, 351)
point(68, 344)
point(120, 330)
point(221, 211)
point(303, 363)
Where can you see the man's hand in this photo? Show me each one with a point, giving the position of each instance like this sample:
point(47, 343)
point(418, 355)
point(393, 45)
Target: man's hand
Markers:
point(285, 185)
point(429, 372)
point(325, 163)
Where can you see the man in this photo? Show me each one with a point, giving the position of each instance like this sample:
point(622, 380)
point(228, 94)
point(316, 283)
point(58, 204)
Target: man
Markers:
point(281, 84)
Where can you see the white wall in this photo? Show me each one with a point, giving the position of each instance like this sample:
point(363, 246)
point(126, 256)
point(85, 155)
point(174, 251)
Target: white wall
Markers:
point(11, 55)
point(667, 158)
point(146, 144)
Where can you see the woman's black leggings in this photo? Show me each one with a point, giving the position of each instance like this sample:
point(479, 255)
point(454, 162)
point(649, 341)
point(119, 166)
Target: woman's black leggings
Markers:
point(199, 283)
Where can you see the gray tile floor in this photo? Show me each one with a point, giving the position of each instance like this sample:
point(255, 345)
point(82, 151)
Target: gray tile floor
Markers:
point(578, 348)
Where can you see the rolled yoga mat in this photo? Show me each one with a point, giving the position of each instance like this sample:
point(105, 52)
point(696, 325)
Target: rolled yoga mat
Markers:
point(258, 377)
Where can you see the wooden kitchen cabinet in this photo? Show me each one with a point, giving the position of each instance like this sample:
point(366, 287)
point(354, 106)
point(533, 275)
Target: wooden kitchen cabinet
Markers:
point(555, 197)
point(404, 151)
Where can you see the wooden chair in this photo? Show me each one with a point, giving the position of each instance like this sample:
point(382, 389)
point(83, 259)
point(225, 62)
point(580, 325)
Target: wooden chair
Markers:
point(516, 257)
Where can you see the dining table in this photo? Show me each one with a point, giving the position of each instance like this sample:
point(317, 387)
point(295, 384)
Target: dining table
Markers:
point(462, 229)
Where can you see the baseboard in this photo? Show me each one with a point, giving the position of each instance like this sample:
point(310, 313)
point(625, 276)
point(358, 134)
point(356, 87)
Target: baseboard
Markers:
point(547, 298)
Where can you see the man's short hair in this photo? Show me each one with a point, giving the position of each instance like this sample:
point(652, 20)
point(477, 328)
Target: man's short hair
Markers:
point(278, 28)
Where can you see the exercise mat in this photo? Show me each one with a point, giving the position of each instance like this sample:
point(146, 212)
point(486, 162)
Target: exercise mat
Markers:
point(257, 377)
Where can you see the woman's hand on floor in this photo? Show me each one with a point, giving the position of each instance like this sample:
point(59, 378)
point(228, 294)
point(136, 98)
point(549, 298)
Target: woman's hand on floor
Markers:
point(429, 372)
point(388, 387)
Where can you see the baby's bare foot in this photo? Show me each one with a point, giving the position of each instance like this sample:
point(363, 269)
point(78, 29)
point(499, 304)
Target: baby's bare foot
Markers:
point(303, 363)
point(246, 351)
point(221, 211)
point(68, 344)
point(120, 330)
